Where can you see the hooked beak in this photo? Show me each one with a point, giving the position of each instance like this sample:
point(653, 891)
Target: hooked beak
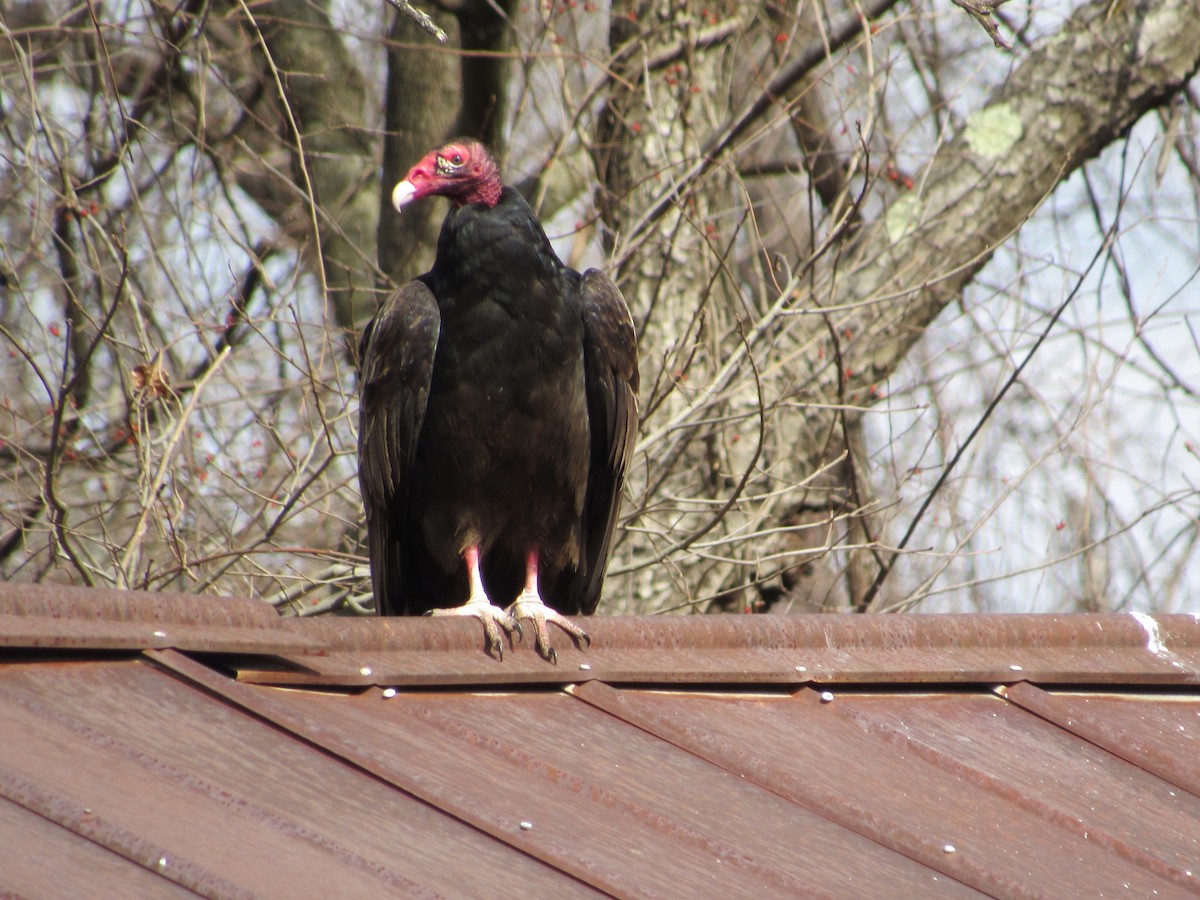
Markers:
point(403, 194)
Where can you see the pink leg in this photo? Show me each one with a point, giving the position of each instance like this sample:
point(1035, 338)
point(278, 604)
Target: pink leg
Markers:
point(529, 605)
point(480, 606)
point(474, 576)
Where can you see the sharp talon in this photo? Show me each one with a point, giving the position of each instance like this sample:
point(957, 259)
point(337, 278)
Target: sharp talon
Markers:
point(496, 623)
point(530, 607)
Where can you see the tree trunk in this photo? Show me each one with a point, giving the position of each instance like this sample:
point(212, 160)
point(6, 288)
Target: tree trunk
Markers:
point(754, 459)
point(322, 120)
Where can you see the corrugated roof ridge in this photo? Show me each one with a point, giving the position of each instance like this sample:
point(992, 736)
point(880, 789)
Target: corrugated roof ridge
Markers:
point(56, 601)
point(801, 631)
point(1159, 634)
point(776, 649)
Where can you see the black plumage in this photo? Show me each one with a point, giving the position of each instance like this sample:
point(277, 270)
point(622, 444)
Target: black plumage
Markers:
point(498, 412)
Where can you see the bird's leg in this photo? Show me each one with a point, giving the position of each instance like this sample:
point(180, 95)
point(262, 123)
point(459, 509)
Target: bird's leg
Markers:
point(529, 605)
point(480, 606)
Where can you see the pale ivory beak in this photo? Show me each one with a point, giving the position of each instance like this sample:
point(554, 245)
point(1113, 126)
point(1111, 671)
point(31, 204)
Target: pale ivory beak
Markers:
point(403, 194)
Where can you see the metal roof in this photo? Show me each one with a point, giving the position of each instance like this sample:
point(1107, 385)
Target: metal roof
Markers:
point(153, 745)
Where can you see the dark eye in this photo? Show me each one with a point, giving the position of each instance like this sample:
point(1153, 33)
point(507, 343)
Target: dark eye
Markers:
point(449, 165)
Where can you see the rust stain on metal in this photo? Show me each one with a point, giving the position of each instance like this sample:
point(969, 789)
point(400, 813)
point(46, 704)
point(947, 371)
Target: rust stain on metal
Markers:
point(821, 756)
point(745, 755)
point(782, 650)
point(1161, 735)
point(141, 762)
point(611, 804)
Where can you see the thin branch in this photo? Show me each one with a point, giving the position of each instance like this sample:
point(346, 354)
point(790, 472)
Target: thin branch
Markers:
point(886, 568)
point(804, 62)
point(981, 11)
point(298, 137)
point(420, 18)
point(150, 495)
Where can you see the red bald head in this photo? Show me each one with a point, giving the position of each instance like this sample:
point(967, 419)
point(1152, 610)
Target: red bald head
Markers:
point(463, 170)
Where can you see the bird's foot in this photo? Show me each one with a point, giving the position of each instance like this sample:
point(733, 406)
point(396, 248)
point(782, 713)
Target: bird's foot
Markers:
point(494, 619)
point(530, 606)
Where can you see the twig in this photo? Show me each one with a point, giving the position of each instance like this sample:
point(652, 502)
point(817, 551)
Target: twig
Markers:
point(255, 276)
point(700, 40)
point(981, 11)
point(768, 98)
point(150, 495)
point(421, 18)
point(298, 136)
point(1012, 379)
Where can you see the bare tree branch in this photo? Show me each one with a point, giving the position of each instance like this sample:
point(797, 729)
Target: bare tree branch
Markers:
point(1050, 117)
point(981, 11)
point(420, 17)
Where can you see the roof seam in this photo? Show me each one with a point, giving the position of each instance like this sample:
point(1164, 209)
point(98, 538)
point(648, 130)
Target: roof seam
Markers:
point(611, 704)
point(1038, 702)
point(252, 701)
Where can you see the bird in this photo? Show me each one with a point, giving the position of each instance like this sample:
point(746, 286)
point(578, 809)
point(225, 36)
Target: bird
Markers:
point(498, 413)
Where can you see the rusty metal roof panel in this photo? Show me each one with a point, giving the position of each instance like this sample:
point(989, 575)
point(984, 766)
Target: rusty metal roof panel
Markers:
point(819, 750)
point(36, 632)
point(36, 847)
point(151, 769)
point(741, 666)
point(54, 617)
point(1159, 733)
point(1046, 649)
point(591, 795)
point(774, 756)
point(1052, 773)
point(758, 650)
point(84, 605)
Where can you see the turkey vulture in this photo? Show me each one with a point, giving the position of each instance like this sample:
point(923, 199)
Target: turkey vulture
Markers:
point(497, 416)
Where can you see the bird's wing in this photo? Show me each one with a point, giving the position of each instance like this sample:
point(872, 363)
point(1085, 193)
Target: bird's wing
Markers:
point(611, 379)
point(396, 366)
